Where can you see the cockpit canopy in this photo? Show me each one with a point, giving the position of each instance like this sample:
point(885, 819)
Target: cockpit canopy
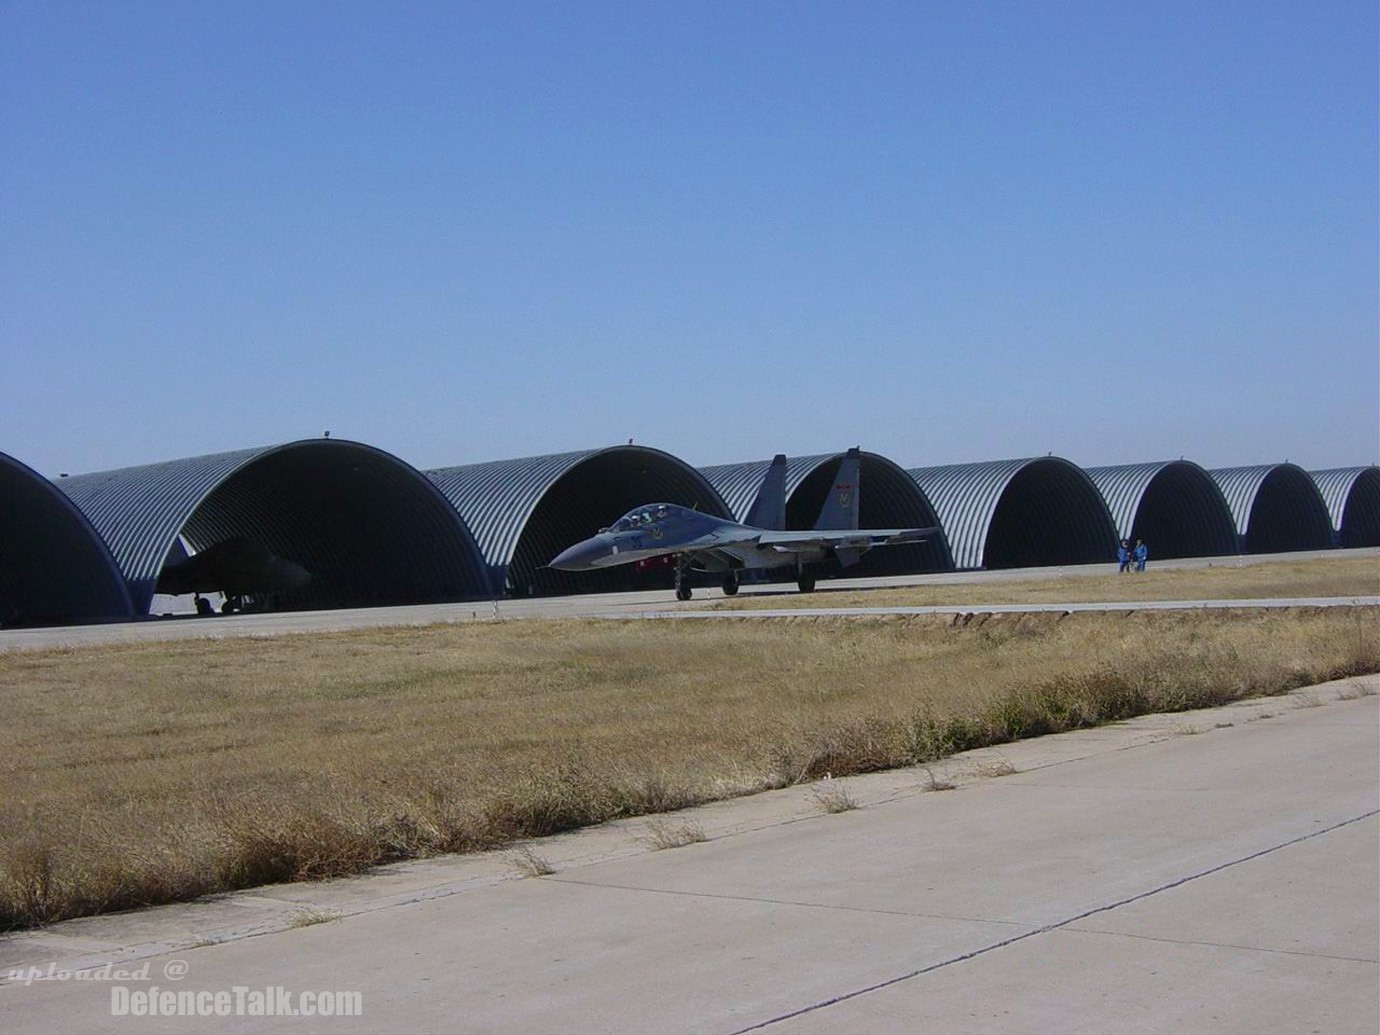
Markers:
point(640, 517)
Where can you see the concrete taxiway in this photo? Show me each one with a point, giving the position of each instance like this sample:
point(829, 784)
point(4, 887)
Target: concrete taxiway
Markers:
point(1212, 871)
point(653, 604)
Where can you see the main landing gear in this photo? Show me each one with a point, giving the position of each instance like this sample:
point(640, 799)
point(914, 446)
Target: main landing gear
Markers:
point(683, 580)
point(805, 579)
point(730, 583)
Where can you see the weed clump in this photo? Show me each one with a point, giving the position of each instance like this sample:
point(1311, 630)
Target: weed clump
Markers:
point(832, 797)
point(659, 835)
point(529, 864)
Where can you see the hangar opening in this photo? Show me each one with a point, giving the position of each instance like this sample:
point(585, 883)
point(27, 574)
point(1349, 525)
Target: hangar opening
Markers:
point(1352, 495)
point(591, 496)
point(888, 498)
point(54, 568)
point(1361, 518)
point(1182, 514)
point(368, 528)
point(1174, 506)
point(1288, 514)
point(526, 511)
point(1049, 514)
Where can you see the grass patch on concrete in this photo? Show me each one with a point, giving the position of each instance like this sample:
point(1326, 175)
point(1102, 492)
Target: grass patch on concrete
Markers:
point(832, 797)
point(151, 773)
point(528, 863)
point(309, 916)
point(659, 834)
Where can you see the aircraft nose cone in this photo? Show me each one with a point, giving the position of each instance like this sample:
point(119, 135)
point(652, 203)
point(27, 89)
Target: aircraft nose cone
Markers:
point(580, 557)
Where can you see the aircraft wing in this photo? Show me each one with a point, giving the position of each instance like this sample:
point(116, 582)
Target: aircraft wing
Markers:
point(841, 539)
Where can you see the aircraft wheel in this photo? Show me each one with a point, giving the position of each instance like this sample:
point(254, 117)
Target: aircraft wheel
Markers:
point(806, 583)
point(730, 583)
point(682, 592)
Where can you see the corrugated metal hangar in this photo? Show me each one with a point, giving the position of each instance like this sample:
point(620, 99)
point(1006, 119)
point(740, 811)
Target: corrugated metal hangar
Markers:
point(371, 530)
point(1276, 508)
point(1020, 513)
point(524, 512)
point(53, 565)
point(1352, 495)
point(1175, 505)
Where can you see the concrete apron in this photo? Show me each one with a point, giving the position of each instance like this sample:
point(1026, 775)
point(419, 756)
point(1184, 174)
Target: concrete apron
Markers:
point(1215, 870)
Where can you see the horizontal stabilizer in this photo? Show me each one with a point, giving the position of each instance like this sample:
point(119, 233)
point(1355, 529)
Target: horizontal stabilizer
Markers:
point(841, 539)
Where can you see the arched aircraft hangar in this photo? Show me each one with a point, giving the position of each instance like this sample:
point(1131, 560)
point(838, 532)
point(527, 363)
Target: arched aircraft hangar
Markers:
point(1352, 495)
point(1020, 513)
point(1174, 506)
point(888, 498)
point(369, 528)
point(526, 511)
point(373, 530)
point(1277, 508)
point(54, 566)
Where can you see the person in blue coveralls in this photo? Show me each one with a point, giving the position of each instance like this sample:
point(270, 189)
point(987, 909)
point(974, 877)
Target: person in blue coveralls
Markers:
point(1142, 554)
point(1123, 555)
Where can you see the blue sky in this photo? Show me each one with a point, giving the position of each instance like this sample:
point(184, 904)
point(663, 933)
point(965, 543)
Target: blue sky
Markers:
point(946, 232)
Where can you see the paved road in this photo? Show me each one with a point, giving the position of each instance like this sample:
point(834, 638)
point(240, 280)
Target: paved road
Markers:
point(1214, 871)
point(653, 603)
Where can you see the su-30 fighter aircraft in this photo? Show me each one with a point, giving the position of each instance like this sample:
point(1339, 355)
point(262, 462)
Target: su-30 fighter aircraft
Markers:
point(702, 542)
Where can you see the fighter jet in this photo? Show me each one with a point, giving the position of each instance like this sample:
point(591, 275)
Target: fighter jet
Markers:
point(235, 567)
point(702, 542)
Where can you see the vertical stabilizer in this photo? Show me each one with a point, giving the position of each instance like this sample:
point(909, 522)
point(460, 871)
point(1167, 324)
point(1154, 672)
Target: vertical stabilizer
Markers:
point(769, 508)
point(840, 508)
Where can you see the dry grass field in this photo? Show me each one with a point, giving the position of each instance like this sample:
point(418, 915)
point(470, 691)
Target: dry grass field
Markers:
point(1343, 576)
point(152, 773)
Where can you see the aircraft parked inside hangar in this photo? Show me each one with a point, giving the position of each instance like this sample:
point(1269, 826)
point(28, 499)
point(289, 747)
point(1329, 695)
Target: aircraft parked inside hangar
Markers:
point(236, 568)
point(702, 542)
